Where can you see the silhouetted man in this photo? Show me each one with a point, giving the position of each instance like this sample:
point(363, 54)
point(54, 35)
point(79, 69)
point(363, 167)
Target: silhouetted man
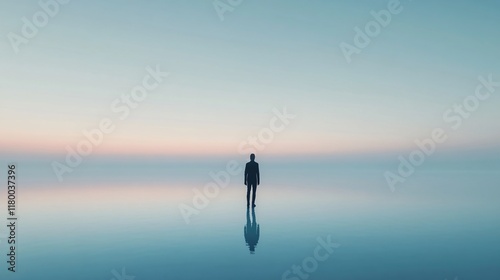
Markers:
point(252, 231)
point(252, 179)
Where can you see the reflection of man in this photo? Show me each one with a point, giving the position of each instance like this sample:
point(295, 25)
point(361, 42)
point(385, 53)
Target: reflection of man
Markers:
point(252, 179)
point(252, 232)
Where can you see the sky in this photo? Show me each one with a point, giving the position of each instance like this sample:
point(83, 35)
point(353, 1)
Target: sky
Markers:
point(227, 77)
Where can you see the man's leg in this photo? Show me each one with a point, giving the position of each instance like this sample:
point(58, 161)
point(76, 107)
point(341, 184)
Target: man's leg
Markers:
point(254, 188)
point(249, 186)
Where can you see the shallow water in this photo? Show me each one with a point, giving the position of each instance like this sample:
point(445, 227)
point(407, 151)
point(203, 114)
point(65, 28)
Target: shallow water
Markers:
point(439, 225)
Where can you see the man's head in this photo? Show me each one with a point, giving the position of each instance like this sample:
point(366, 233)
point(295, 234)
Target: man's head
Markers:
point(252, 157)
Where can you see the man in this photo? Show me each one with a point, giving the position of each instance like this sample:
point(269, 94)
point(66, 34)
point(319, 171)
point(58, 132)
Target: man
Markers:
point(252, 179)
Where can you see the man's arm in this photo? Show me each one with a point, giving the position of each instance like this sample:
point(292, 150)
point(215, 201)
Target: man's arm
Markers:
point(245, 174)
point(258, 175)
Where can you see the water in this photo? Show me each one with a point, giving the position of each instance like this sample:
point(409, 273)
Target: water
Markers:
point(111, 220)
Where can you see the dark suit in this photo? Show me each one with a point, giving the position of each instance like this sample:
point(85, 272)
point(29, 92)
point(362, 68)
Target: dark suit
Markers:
point(252, 179)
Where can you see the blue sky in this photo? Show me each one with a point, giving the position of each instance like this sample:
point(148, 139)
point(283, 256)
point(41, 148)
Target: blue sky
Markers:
point(227, 76)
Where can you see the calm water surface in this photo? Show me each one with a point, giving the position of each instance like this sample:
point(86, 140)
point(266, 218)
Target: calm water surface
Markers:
point(113, 222)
